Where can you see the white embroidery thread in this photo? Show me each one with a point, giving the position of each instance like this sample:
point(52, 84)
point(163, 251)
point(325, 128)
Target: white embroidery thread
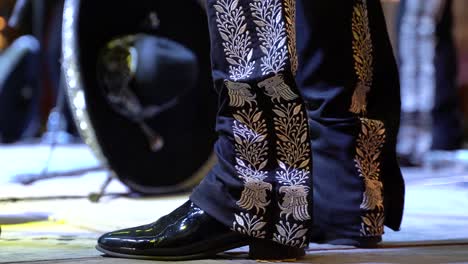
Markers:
point(249, 225)
point(294, 159)
point(292, 235)
point(236, 39)
point(271, 33)
point(251, 148)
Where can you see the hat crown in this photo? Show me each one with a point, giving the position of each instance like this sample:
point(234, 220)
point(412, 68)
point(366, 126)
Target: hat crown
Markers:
point(142, 75)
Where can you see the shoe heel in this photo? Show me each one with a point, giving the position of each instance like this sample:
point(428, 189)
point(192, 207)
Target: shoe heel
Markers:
point(269, 250)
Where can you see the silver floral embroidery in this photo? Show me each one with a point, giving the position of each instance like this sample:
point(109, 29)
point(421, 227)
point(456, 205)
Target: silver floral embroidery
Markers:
point(251, 148)
point(250, 128)
point(276, 88)
point(295, 202)
point(294, 159)
point(254, 194)
point(233, 30)
point(292, 176)
point(290, 11)
point(294, 171)
point(271, 33)
point(292, 235)
point(249, 225)
point(239, 93)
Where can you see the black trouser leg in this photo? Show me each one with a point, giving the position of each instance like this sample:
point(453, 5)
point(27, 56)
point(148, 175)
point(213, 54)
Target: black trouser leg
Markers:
point(349, 80)
point(261, 185)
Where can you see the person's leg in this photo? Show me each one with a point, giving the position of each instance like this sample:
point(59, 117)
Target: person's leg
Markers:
point(431, 11)
point(259, 192)
point(349, 80)
point(260, 187)
point(409, 17)
point(446, 120)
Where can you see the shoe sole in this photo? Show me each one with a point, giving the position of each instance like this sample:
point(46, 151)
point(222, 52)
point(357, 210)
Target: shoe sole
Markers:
point(208, 254)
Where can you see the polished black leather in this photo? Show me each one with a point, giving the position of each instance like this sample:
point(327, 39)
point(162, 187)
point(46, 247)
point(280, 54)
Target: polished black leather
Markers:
point(187, 232)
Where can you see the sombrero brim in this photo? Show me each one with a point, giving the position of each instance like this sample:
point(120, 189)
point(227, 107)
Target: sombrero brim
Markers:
point(188, 130)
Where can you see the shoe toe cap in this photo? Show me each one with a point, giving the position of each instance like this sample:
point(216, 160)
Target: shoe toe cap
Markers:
point(125, 238)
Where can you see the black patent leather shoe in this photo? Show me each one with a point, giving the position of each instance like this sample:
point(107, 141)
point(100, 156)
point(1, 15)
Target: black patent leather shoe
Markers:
point(186, 233)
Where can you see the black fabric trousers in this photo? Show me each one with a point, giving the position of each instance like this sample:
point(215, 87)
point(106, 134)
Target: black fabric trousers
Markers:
point(308, 151)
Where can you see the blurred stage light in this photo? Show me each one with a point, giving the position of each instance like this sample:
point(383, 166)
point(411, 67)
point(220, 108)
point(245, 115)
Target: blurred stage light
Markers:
point(2, 23)
point(3, 42)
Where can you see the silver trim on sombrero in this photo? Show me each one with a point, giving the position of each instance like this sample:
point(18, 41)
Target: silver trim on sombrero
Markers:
point(73, 78)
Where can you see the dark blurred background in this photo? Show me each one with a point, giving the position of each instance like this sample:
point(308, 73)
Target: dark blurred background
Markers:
point(460, 35)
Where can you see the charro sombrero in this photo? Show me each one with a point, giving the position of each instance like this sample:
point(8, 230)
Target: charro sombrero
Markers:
point(139, 83)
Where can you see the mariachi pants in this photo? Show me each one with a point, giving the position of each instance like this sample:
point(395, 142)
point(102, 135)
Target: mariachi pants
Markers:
point(428, 71)
point(307, 121)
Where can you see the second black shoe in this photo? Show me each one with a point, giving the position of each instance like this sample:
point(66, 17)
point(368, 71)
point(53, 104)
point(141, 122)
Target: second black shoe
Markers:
point(186, 233)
